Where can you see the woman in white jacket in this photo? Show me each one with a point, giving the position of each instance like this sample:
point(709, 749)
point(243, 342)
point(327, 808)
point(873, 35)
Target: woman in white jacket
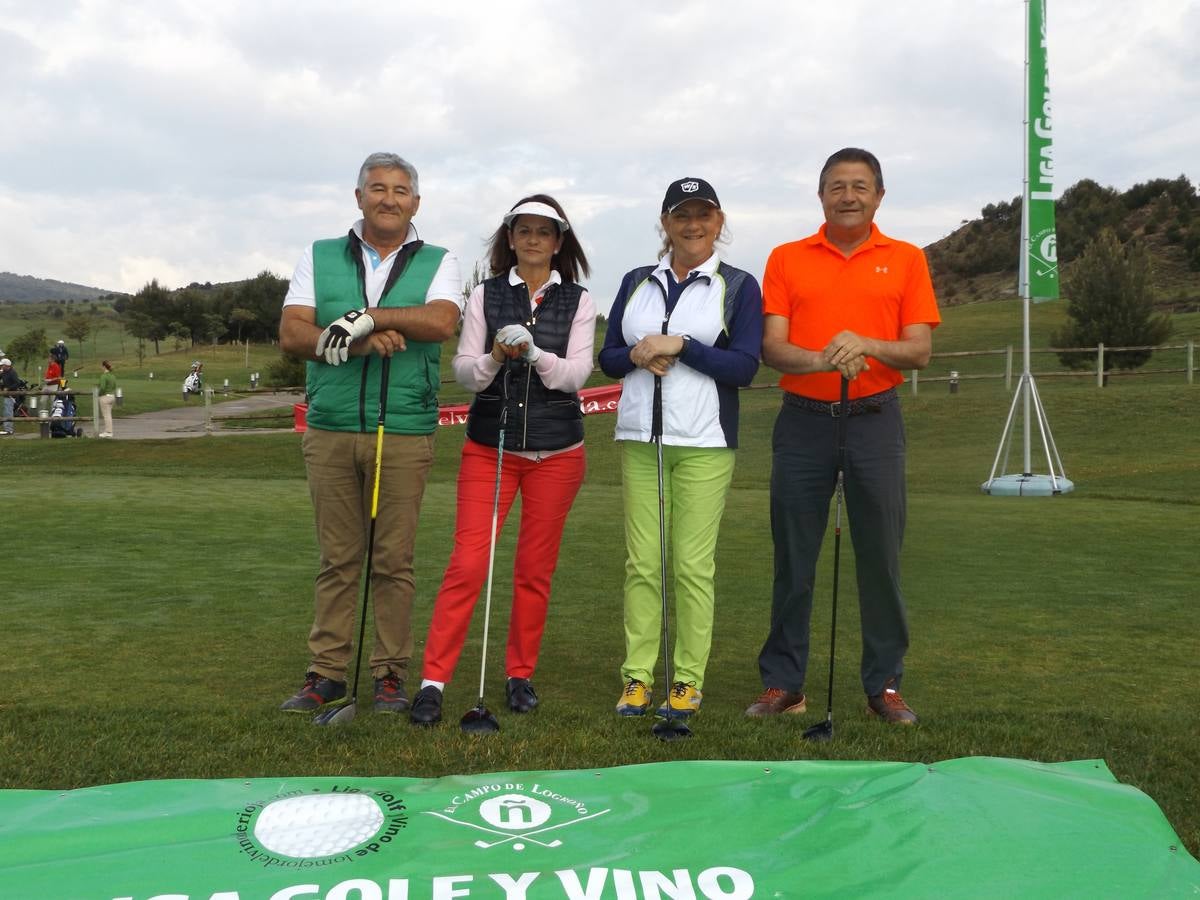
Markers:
point(684, 335)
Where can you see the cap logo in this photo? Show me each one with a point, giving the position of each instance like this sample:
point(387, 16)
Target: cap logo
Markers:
point(689, 187)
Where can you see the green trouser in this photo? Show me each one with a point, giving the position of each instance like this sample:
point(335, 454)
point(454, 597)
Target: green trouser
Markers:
point(695, 484)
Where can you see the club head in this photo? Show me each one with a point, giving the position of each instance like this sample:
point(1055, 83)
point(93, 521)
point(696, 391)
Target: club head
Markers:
point(340, 715)
point(671, 729)
point(479, 721)
point(820, 733)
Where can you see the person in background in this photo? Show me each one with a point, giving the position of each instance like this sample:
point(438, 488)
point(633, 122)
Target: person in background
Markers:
point(525, 351)
point(694, 324)
point(52, 378)
point(9, 381)
point(107, 387)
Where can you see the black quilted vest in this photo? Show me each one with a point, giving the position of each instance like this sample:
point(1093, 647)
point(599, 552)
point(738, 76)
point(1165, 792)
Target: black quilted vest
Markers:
point(537, 418)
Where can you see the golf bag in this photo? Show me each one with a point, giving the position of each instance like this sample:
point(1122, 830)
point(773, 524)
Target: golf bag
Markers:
point(19, 409)
point(62, 417)
point(194, 382)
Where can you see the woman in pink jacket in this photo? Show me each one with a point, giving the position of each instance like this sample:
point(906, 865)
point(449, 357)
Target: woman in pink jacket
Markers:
point(525, 351)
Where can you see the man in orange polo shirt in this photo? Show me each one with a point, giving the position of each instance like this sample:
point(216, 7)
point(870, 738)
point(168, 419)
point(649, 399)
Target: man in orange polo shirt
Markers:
point(847, 301)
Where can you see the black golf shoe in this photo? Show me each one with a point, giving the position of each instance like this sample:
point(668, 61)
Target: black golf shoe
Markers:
point(317, 691)
point(426, 707)
point(389, 694)
point(520, 694)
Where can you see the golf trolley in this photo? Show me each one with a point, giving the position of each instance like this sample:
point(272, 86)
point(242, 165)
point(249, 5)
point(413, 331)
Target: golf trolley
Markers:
point(62, 417)
point(194, 382)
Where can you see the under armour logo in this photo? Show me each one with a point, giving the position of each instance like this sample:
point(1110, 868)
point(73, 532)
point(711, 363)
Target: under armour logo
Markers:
point(690, 187)
point(882, 269)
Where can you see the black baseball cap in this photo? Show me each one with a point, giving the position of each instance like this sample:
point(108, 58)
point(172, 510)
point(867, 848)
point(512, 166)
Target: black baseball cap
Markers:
point(686, 189)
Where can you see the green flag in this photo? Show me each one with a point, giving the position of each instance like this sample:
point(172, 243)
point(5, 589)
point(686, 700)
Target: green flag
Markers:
point(1039, 253)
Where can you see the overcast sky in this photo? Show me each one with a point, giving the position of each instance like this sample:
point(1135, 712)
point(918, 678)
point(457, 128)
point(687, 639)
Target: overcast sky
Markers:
point(208, 140)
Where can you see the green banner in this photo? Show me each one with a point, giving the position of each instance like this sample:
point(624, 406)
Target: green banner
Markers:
point(1039, 255)
point(670, 831)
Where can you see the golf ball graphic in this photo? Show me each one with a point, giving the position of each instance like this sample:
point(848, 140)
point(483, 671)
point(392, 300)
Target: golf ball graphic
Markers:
point(317, 825)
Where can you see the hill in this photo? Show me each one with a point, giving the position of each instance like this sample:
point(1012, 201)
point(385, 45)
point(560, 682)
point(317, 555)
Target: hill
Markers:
point(978, 261)
point(27, 289)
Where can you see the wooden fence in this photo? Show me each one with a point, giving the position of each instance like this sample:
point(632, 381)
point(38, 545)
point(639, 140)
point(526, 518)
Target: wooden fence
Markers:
point(1103, 354)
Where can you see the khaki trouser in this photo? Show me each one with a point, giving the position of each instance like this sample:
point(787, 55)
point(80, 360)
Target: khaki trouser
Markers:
point(106, 408)
point(341, 472)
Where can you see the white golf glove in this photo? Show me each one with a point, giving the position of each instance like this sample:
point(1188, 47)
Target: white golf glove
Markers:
point(334, 342)
point(517, 334)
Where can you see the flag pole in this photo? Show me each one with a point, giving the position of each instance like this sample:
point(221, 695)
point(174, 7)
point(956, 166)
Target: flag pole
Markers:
point(1027, 372)
point(1038, 162)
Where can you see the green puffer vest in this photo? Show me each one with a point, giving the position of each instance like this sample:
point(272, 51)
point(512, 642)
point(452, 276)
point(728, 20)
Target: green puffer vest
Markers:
point(346, 397)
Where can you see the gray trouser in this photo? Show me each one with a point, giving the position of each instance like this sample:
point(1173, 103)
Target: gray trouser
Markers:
point(803, 478)
point(6, 418)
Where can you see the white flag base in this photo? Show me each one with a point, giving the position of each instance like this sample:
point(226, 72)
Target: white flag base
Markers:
point(1027, 486)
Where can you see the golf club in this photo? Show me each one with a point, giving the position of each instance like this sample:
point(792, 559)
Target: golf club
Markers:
point(480, 720)
point(823, 731)
point(344, 715)
point(673, 727)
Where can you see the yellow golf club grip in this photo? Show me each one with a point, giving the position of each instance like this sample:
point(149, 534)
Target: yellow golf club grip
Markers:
point(378, 467)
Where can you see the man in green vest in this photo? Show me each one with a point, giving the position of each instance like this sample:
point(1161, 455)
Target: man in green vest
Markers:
point(376, 292)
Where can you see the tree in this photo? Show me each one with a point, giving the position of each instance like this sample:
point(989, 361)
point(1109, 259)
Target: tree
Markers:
point(146, 314)
point(477, 276)
point(180, 333)
point(77, 328)
point(96, 329)
point(190, 307)
point(1111, 303)
point(1084, 209)
point(29, 345)
point(239, 316)
point(287, 371)
point(214, 326)
point(263, 296)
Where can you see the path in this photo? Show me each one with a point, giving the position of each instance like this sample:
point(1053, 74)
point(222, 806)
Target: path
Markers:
point(185, 421)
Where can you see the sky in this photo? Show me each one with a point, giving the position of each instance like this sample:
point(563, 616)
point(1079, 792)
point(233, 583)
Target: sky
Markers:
point(208, 140)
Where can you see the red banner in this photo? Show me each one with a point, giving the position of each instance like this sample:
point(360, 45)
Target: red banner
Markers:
point(591, 401)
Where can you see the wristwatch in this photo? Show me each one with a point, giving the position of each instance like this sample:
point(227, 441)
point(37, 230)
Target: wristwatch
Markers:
point(687, 339)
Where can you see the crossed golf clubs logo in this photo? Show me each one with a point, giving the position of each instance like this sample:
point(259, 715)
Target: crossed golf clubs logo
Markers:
point(521, 818)
point(1046, 254)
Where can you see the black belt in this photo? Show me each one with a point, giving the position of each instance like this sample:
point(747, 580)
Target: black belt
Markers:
point(857, 407)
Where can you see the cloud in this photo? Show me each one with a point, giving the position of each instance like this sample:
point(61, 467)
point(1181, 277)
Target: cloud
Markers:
point(197, 141)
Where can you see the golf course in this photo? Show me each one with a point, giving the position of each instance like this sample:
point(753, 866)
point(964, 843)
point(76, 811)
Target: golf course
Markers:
point(157, 595)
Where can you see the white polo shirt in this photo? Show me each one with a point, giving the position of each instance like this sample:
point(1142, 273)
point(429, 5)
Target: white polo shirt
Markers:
point(446, 284)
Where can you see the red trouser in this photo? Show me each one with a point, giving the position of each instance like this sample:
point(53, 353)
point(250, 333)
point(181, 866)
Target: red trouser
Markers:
point(548, 489)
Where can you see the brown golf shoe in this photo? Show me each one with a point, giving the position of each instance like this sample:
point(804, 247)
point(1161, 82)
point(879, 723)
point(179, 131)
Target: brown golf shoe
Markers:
point(890, 707)
point(777, 701)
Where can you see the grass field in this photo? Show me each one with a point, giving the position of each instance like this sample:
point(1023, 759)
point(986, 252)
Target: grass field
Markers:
point(156, 597)
point(973, 327)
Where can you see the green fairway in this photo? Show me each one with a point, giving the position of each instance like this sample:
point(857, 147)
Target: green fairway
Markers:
point(157, 596)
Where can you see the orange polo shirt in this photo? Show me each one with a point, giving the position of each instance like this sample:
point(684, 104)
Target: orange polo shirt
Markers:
point(877, 291)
